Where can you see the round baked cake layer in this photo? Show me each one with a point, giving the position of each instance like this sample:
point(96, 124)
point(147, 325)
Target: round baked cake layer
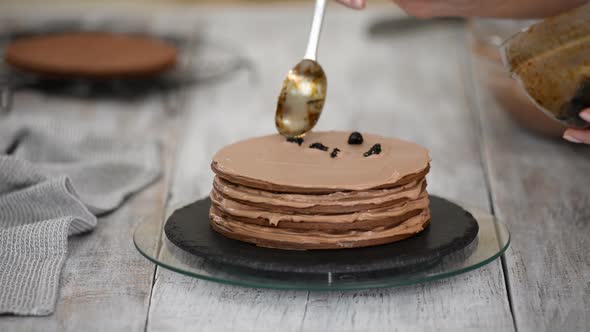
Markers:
point(332, 203)
point(347, 219)
point(272, 163)
point(316, 239)
point(384, 216)
point(365, 225)
point(91, 54)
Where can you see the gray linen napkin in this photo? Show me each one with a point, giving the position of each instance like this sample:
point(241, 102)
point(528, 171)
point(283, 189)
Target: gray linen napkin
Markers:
point(52, 186)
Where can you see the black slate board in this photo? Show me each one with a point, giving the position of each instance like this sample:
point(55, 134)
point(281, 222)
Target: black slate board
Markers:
point(451, 229)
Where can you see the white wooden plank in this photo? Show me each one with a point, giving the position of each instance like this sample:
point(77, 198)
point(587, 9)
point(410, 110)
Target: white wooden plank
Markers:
point(403, 85)
point(105, 283)
point(540, 187)
point(178, 301)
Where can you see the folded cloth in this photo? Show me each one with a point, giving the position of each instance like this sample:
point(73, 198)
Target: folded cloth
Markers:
point(52, 186)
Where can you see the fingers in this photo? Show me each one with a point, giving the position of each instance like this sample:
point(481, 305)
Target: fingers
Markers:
point(585, 115)
point(579, 135)
point(417, 8)
point(356, 4)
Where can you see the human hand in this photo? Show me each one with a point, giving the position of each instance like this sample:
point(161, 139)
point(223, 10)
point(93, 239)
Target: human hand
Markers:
point(355, 4)
point(579, 135)
point(483, 8)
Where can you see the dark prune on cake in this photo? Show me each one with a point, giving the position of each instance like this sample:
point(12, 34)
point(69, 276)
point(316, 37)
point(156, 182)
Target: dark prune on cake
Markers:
point(298, 140)
point(375, 149)
point(355, 138)
point(334, 153)
point(319, 146)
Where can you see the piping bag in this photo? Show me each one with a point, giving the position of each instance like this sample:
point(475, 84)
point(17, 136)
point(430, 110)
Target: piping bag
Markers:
point(551, 61)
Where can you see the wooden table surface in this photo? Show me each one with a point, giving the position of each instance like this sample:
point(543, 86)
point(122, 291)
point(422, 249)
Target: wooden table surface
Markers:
point(414, 84)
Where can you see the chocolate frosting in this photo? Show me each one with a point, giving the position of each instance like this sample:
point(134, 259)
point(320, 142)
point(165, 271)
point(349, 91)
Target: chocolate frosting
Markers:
point(241, 210)
point(317, 238)
point(270, 162)
point(352, 199)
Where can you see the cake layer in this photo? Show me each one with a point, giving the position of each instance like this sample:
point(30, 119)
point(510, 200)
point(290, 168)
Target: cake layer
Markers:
point(365, 225)
point(333, 203)
point(91, 55)
point(274, 237)
point(345, 220)
point(273, 164)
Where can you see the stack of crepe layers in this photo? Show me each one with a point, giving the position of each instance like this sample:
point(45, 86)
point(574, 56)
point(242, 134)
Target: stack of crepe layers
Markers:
point(288, 196)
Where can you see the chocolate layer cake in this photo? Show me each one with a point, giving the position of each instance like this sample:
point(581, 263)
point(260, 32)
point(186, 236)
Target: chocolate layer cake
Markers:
point(327, 191)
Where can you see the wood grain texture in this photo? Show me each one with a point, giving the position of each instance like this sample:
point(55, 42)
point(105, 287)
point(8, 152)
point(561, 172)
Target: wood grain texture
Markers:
point(105, 283)
point(406, 85)
point(541, 189)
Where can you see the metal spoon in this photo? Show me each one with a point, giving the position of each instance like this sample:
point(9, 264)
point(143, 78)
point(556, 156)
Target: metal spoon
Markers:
point(304, 89)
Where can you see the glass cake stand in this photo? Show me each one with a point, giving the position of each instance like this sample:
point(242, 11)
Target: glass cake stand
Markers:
point(492, 241)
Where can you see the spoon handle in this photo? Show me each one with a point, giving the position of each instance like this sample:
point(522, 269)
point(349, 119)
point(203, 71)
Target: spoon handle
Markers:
point(316, 29)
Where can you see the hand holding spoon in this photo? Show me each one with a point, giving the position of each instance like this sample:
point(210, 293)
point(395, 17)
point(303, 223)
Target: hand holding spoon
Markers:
point(303, 93)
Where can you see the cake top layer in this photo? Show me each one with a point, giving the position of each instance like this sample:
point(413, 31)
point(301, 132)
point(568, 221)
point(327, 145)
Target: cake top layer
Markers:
point(273, 163)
